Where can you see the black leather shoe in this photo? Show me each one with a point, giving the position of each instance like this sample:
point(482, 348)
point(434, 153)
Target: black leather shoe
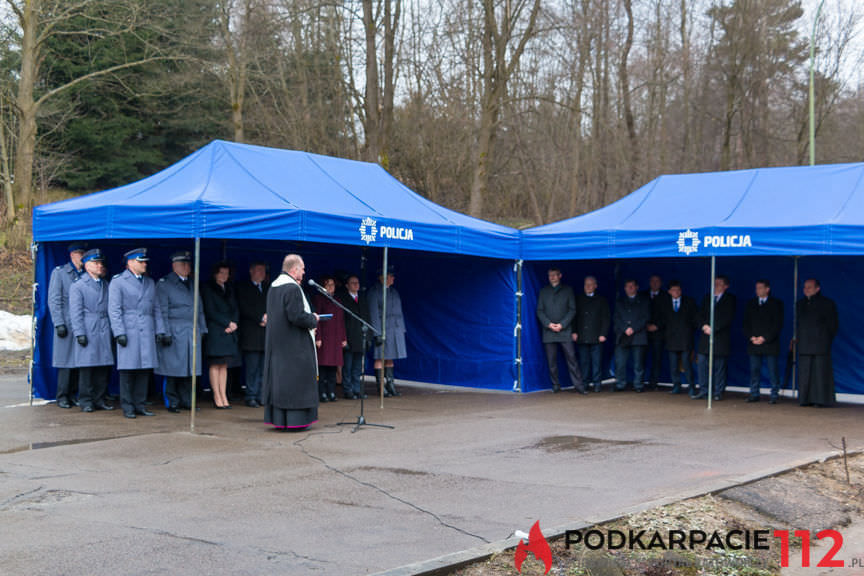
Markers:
point(718, 398)
point(699, 396)
point(324, 398)
point(129, 414)
point(673, 391)
point(74, 402)
point(638, 390)
point(144, 412)
point(332, 397)
point(87, 409)
point(556, 389)
point(349, 396)
point(104, 406)
point(752, 399)
point(173, 409)
point(772, 401)
point(64, 404)
point(581, 391)
point(252, 403)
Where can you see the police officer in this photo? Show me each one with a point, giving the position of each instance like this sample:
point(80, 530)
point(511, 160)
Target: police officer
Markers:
point(175, 294)
point(88, 310)
point(58, 303)
point(137, 323)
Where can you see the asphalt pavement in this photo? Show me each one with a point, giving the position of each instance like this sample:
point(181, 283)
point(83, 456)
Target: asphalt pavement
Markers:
point(98, 494)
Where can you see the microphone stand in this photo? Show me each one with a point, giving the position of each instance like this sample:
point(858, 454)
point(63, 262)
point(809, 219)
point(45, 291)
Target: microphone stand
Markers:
point(361, 419)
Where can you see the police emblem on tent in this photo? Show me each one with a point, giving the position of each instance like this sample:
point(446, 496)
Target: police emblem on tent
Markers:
point(688, 242)
point(368, 230)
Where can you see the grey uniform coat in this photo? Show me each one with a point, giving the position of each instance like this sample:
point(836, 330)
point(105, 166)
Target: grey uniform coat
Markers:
point(394, 346)
point(556, 305)
point(88, 309)
point(176, 304)
point(134, 311)
point(62, 278)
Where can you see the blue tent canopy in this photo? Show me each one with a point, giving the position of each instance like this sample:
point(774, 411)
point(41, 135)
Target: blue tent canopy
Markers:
point(250, 203)
point(796, 211)
point(237, 191)
point(670, 225)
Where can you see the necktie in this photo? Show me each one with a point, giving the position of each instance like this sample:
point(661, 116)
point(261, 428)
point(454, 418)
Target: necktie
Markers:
point(185, 282)
point(676, 305)
point(761, 301)
point(258, 285)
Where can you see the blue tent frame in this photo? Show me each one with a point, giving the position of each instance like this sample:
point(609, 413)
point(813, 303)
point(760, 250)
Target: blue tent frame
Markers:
point(785, 215)
point(238, 200)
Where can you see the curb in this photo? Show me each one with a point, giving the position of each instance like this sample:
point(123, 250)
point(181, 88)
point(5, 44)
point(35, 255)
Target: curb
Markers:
point(447, 563)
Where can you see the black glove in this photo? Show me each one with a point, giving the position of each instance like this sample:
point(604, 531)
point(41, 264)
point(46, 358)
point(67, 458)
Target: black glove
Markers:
point(379, 341)
point(163, 339)
point(82, 340)
point(122, 341)
point(61, 331)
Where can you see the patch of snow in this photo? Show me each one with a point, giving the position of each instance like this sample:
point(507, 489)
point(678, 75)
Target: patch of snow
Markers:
point(14, 331)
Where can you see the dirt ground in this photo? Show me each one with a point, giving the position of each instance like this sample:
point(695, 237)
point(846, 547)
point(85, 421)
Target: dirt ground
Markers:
point(16, 281)
point(812, 498)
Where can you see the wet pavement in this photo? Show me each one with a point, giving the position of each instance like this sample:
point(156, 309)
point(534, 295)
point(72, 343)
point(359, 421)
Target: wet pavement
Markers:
point(99, 494)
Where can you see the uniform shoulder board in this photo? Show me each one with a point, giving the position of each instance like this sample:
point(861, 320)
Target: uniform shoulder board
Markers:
point(116, 275)
point(60, 267)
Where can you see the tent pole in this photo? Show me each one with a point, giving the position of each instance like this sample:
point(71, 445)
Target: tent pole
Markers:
point(383, 324)
point(196, 295)
point(711, 335)
point(517, 386)
point(34, 251)
point(795, 327)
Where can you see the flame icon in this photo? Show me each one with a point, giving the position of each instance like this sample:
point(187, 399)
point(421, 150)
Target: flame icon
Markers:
point(537, 545)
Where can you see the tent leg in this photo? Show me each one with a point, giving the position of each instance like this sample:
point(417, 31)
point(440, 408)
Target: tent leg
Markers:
point(196, 295)
point(34, 251)
point(517, 386)
point(383, 326)
point(711, 335)
point(795, 327)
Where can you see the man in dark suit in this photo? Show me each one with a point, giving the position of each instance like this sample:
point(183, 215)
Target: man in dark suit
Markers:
point(632, 313)
point(352, 355)
point(679, 320)
point(659, 299)
point(763, 321)
point(556, 308)
point(724, 314)
point(817, 326)
point(590, 328)
point(252, 301)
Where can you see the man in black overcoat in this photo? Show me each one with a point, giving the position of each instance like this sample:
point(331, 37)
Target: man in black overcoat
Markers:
point(290, 387)
point(763, 322)
point(656, 330)
point(352, 370)
point(631, 316)
point(679, 316)
point(556, 308)
point(252, 300)
point(590, 328)
point(817, 326)
point(724, 315)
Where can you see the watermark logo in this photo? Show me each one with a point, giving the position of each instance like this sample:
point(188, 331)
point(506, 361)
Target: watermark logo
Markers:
point(368, 230)
point(688, 242)
point(537, 545)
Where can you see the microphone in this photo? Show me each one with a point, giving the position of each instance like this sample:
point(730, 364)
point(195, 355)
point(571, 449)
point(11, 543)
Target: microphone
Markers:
point(314, 284)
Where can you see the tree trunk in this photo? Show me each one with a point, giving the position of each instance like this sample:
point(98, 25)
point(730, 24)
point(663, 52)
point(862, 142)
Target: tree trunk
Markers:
point(631, 175)
point(27, 108)
point(371, 126)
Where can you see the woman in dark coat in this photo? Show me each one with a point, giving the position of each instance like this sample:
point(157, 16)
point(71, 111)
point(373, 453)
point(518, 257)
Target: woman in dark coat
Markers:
point(222, 313)
point(330, 339)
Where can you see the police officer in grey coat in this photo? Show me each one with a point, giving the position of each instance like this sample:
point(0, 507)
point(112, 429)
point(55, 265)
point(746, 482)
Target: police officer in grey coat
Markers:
point(175, 294)
point(91, 330)
point(63, 350)
point(137, 324)
point(394, 346)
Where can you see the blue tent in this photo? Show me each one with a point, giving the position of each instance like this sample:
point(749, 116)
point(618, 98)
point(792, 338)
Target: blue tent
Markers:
point(671, 224)
point(248, 202)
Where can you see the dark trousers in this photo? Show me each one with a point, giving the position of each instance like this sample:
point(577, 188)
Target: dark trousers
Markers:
point(551, 349)
point(656, 346)
point(773, 365)
point(719, 382)
point(133, 389)
point(93, 385)
point(682, 360)
point(178, 391)
point(67, 384)
point(254, 362)
point(622, 355)
point(327, 380)
point(352, 372)
point(591, 362)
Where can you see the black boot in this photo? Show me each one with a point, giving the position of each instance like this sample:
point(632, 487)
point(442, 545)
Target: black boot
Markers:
point(390, 386)
point(379, 380)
